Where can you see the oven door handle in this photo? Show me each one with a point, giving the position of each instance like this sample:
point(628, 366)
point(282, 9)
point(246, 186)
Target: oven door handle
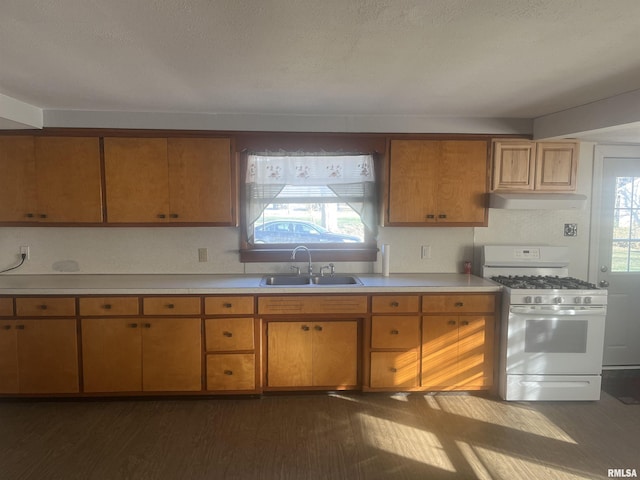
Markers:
point(557, 310)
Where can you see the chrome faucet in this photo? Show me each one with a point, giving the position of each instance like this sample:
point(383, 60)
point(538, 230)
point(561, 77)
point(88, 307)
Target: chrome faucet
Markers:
point(302, 247)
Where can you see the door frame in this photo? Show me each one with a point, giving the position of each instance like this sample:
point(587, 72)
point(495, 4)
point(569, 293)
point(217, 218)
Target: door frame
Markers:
point(600, 153)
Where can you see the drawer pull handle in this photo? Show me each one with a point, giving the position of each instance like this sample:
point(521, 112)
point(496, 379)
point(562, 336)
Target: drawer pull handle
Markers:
point(6, 327)
point(394, 332)
point(393, 369)
point(162, 215)
point(228, 372)
point(173, 215)
point(395, 304)
point(107, 306)
point(171, 305)
point(464, 322)
point(19, 327)
point(147, 325)
point(318, 328)
point(442, 215)
point(451, 322)
point(42, 307)
point(132, 325)
point(431, 216)
point(29, 215)
point(43, 215)
point(459, 304)
point(305, 328)
point(227, 334)
point(227, 305)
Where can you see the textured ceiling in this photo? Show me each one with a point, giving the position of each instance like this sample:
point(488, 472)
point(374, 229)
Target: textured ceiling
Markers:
point(471, 58)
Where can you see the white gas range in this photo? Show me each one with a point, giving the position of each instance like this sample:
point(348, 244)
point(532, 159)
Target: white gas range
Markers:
point(552, 333)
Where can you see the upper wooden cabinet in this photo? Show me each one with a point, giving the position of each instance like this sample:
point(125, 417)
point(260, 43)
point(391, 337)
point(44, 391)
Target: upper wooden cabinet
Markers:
point(50, 179)
point(176, 180)
point(534, 166)
point(437, 182)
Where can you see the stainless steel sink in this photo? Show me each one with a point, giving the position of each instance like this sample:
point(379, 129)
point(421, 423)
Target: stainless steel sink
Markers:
point(295, 280)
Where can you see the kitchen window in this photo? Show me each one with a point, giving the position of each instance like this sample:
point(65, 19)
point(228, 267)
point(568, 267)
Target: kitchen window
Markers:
point(324, 201)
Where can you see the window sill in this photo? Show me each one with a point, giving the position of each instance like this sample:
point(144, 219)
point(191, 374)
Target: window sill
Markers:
point(321, 254)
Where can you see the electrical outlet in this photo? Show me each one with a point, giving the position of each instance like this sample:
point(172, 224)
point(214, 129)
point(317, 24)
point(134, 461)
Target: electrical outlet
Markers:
point(24, 250)
point(425, 252)
point(203, 254)
point(570, 229)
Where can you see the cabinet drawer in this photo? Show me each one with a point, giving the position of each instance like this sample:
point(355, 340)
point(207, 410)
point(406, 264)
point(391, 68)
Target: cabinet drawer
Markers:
point(106, 306)
point(391, 331)
point(459, 303)
point(313, 304)
point(394, 369)
point(394, 304)
point(46, 307)
point(228, 305)
point(228, 334)
point(232, 371)
point(171, 305)
point(6, 307)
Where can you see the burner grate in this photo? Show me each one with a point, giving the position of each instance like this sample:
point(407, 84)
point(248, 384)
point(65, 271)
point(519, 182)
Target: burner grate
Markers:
point(545, 282)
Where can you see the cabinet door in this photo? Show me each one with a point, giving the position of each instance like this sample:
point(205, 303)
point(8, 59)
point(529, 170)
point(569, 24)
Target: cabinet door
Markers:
point(556, 166)
point(47, 356)
point(289, 354)
point(440, 351)
point(413, 180)
point(18, 198)
point(335, 354)
point(136, 177)
point(475, 351)
point(69, 181)
point(200, 183)
point(513, 165)
point(111, 354)
point(171, 354)
point(8, 357)
point(462, 182)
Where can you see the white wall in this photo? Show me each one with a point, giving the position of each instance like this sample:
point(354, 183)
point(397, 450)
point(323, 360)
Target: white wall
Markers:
point(175, 250)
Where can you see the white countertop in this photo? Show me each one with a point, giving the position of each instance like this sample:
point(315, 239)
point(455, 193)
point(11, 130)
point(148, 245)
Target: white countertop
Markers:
point(197, 284)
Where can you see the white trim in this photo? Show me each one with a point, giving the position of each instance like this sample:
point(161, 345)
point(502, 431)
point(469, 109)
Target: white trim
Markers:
point(15, 115)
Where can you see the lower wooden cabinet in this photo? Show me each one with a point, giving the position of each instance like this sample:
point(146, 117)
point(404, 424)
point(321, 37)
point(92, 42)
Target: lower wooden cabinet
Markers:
point(231, 371)
point(141, 354)
point(312, 354)
point(38, 356)
point(457, 352)
point(395, 369)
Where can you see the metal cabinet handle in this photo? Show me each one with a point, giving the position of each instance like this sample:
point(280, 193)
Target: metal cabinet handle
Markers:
point(162, 215)
point(228, 372)
point(29, 215)
point(227, 305)
point(19, 327)
point(227, 334)
point(318, 328)
point(393, 369)
point(132, 325)
point(430, 216)
point(395, 304)
point(451, 322)
point(6, 327)
point(107, 306)
point(464, 322)
point(442, 215)
point(170, 305)
point(459, 304)
point(147, 325)
point(42, 307)
point(173, 215)
point(43, 215)
point(394, 332)
point(305, 328)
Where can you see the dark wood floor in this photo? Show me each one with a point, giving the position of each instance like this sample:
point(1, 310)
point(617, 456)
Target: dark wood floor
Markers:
point(319, 436)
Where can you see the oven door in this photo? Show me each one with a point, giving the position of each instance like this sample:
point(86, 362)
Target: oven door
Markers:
point(555, 339)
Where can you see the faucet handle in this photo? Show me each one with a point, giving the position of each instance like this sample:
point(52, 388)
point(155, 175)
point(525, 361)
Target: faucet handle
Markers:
point(296, 268)
point(333, 269)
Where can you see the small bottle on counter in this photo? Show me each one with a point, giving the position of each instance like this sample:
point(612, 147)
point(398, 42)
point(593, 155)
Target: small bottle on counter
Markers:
point(467, 267)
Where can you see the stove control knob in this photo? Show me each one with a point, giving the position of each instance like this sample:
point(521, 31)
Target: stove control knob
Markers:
point(538, 299)
point(578, 300)
point(528, 299)
point(587, 299)
point(558, 300)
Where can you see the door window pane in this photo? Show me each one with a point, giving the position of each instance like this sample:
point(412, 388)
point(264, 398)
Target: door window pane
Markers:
point(625, 251)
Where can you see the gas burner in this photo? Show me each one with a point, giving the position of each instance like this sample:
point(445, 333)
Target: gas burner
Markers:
point(544, 282)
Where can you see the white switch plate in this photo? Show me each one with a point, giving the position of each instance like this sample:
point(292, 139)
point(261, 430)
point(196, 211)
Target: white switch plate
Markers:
point(203, 254)
point(425, 252)
point(24, 250)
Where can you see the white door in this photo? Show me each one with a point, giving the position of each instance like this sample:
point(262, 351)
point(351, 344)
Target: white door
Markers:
point(616, 251)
